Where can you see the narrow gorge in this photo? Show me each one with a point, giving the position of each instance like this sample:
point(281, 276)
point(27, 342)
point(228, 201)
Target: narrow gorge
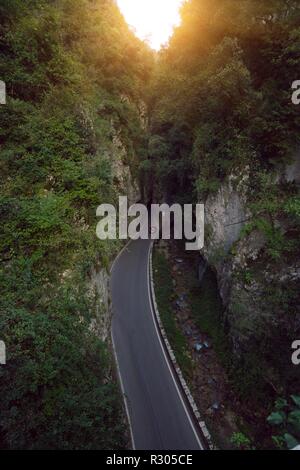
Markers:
point(92, 113)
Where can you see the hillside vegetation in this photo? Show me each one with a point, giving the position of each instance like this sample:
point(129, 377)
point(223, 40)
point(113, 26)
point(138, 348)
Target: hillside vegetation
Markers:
point(224, 131)
point(74, 133)
point(222, 95)
point(74, 75)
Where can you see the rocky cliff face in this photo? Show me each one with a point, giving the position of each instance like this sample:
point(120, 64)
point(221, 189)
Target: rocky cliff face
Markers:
point(226, 214)
point(259, 292)
point(125, 185)
point(99, 294)
point(121, 172)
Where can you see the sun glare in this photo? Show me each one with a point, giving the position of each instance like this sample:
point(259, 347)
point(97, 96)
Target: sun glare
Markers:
point(153, 20)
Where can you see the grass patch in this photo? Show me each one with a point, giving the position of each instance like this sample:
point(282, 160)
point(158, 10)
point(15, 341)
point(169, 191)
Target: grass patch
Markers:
point(207, 308)
point(165, 295)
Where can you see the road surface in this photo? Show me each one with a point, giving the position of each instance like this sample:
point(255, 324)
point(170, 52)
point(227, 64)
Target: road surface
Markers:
point(158, 415)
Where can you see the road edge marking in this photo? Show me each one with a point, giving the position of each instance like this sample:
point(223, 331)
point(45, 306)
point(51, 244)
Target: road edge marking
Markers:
point(118, 256)
point(115, 352)
point(123, 392)
point(156, 315)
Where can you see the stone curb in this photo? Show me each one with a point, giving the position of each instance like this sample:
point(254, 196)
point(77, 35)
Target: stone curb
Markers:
point(197, 415)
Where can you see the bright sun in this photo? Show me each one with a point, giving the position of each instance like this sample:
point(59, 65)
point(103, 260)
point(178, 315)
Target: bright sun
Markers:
point(152, 20)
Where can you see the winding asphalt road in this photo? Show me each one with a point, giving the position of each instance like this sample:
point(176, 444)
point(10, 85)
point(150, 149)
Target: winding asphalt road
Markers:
point(157, 412)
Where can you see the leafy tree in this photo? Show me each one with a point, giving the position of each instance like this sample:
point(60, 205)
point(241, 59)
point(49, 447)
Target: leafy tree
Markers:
point(287, 418)
point(75, 76)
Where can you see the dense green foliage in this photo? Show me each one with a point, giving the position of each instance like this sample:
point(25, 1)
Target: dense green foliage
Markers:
point(221, 106)
point(286, 417)
point(74, 75)
point(222, 97)
point(207, 309)
point(165, 296)
point(219, 103)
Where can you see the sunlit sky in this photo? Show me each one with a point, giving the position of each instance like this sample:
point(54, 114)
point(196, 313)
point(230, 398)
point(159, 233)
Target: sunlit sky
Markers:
point(152, 20)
